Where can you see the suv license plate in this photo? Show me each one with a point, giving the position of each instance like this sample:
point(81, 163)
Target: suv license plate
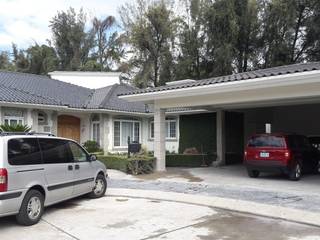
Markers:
point(264, 154)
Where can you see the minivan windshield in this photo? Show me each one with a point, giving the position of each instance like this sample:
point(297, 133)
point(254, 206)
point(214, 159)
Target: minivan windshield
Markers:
point(267, 141)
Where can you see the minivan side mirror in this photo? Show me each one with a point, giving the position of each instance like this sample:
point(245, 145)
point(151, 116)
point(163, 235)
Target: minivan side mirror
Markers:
point(93, 158)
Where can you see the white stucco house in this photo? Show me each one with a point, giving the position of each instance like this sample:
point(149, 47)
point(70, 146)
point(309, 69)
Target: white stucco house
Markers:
point(82, 113)
point(287, 98)
point(215, 115)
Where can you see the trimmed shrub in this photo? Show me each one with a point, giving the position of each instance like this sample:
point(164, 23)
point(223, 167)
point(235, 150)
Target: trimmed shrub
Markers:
point(115, 162)
point(92, 146)
point(189, 160)
point(135, 165)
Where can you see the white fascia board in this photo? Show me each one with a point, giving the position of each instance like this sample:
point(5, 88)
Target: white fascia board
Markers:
point(31, 105)
point(84, 74)
point(251, 84)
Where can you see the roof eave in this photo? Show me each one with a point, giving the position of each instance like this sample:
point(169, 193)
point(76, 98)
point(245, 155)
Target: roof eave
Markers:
point(250, 84)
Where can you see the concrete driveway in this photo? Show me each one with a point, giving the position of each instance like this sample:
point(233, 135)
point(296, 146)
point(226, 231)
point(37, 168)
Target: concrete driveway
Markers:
point(229, 182)
point(132, 218)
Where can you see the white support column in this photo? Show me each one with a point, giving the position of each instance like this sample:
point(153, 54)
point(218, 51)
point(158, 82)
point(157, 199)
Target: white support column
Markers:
point(159, 138)
point(221, 139)
point(29, 119)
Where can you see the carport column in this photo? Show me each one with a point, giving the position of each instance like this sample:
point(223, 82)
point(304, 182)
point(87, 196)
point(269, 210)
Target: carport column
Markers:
point(221, 139)
point(159, 138)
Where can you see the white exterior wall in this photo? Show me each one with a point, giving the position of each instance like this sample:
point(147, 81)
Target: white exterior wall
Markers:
point(106, 127)
point(91, 80)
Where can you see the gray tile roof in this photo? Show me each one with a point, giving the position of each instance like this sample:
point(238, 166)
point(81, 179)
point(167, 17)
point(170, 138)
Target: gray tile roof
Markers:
point(44, 89)
point(34, 89)
point(107, 98)
point(282, 70)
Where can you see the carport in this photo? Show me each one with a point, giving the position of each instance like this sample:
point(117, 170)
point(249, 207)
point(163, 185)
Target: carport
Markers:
point(287, 97)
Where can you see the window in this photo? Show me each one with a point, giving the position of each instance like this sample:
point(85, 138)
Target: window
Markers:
point(54, 150)
point(79, 155)
point(96, 132)
point(24, 151)
point(124, 129)
point(95, 126)
point(267, 141)
point(12, 120)
point(171, 129)
point(42, 118)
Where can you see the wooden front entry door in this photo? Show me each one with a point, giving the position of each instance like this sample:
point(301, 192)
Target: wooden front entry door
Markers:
point(69, 127)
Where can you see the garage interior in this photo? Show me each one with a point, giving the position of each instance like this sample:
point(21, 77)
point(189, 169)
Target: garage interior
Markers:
point(240, 124)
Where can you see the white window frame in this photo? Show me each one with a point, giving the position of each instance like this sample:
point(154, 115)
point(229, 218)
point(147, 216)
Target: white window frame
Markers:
point(121, 121)
point(13, 118)
point(168, 121)
point(92, 127)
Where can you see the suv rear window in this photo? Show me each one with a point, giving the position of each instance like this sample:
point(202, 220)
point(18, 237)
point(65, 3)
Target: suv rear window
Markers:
point(267, 141)
point(23, 151)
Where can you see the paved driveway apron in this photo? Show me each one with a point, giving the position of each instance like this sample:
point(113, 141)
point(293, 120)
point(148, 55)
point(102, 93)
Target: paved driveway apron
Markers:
point(122, 218)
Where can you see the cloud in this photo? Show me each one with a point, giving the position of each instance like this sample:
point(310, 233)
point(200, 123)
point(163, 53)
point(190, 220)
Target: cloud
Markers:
point(27, 21)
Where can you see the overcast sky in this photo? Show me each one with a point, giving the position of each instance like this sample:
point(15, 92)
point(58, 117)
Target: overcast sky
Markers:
point(26, 21)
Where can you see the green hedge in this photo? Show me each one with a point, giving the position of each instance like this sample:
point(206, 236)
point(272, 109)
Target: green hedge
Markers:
point(134, 165)
point(115, 162)
point(189, 160)
point(198, 131)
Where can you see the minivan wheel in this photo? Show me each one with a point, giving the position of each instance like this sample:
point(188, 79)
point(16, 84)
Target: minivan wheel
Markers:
point(99, 188)
point(31, 209)
point(295, 172)
point(253, 173)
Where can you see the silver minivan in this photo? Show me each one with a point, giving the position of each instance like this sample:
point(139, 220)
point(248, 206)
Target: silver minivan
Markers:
point(40, 170)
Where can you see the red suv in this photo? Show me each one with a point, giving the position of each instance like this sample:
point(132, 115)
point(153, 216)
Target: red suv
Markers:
point(291, 154)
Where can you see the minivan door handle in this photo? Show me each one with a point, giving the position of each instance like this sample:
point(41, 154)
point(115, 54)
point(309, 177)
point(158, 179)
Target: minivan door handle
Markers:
point(77, 167)
point(70, 167)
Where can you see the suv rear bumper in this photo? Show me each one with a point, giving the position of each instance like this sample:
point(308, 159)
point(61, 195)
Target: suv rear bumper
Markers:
point(267, 166)
point(10, 203)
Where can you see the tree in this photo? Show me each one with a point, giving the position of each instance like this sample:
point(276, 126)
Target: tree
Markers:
point(247, 37)
point(5, 62)
point(20, 60)
point(313, 33)
point(42, 59)
point(72, 43)
point(107, 42)
point(191, 41)
point(150, 33)
point(220, 25)
point(284, 23)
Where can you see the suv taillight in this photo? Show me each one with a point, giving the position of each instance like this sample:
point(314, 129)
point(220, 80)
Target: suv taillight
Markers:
point(3, 180)
point(287, 155)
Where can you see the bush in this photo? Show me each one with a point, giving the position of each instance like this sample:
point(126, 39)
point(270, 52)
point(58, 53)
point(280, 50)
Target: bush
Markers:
point(133, 165)
point(92, 146)
point(14, 128)
point(189, 160)
point(117, 162)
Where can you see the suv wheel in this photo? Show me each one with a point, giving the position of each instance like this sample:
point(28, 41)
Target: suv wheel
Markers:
point(100, 187)
point(253, 173)
point(295, 172)
point(31, 208)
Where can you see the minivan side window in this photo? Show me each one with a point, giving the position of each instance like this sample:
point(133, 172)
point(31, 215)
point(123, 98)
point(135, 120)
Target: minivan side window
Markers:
point(78, 154)
point(54, 150)
point(24, 151)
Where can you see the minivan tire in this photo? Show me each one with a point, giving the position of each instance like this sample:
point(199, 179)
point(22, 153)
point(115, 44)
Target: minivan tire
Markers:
point(33, 199)
point(100, 183)
point(295, 172)
point(253, 173)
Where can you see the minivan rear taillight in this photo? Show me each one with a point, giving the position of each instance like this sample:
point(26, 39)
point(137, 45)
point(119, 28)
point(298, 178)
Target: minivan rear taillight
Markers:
point(3, 180)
